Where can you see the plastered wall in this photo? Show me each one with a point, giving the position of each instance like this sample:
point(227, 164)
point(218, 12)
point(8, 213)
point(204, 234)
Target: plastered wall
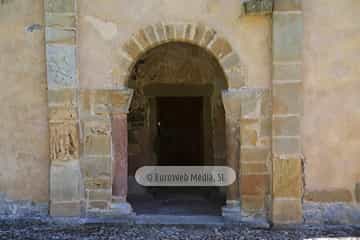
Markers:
point(330, 126)
point(106, 25)
point(24, 160)
point(331, 123)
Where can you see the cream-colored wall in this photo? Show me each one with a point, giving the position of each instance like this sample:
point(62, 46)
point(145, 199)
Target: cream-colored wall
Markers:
point(106, 24)
point(331, 124)
point(23, 102)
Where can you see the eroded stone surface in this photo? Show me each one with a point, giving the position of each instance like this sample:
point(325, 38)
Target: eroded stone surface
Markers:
point(61, 66)
point(64, 141)
point(258, 7)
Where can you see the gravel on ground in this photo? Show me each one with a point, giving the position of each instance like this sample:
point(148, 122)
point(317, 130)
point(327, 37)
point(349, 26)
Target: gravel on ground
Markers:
point(38, 229)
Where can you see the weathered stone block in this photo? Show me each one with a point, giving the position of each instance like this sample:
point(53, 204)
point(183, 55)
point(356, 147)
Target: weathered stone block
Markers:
point(287, 178)
point(97, 145)
point(258, 7)
point(121, 100)
point(64, 141)
point(160, 31)
point(208, 37)
point(254, 184)
point(251, 103)
point(287, 72)
point(230, 61)
point(180, 31)
point(328, 196)
point(142, 39)
point(254, 154)
point(236, 79)
point(132, 49)
point(61, 66)
point(60, 36)
point(253, 168)
point(286, 126)
point(62, 113)
point(95, 101)
point(170, 31)
point(252, 203)
point(220, 47)
point(150, 33)
point(66, 183)
point(98, 183)
point(96, 127)
point(63, 6)
point(66, 209)
point(96, 166)
point(99, 195)
point(265, 127)
point(232, 104)
point(85, 103)
point(266, 103)
point(189, 28)
point(287, 37)
point(287, 5)
point(248, 132)
point(286, 145)
point(199, 33)
point(287, 211)
point(98, 205)
point(287, 98)
point(101, 96)
point(63, 97)
point(60, 21)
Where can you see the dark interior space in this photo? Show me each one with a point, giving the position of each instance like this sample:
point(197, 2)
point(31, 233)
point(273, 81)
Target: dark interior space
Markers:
point(179, 141)
point(180, 131)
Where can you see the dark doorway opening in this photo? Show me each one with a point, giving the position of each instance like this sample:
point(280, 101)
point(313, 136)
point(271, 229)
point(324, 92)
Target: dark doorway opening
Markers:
point(180, 141)
point(180, 131)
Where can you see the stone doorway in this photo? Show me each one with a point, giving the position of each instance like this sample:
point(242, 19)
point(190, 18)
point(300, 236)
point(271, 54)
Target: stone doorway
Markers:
point(176, 117)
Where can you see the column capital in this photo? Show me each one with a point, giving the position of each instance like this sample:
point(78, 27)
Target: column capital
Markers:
point(121, 100)
point(232, 103)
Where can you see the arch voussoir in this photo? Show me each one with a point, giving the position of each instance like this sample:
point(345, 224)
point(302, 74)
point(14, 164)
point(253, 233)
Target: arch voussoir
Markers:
point(198, 34)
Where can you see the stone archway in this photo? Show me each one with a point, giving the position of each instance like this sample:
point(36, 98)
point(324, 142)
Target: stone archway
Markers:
point(248, 150)
point(186, 76)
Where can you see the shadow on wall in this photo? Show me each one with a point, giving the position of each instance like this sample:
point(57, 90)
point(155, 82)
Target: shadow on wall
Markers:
point(5, 1)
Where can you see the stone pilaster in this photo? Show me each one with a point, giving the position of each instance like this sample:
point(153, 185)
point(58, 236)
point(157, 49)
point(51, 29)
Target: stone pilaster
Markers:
point(255, 162)
point(287, 111)
point(248, 125)
point(104, 147)
point(96, 161)
point(66, 187)
point(120, 103)
point(231, 100)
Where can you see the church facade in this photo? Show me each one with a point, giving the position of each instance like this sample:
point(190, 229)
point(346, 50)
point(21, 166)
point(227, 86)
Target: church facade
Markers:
point(268, 88)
